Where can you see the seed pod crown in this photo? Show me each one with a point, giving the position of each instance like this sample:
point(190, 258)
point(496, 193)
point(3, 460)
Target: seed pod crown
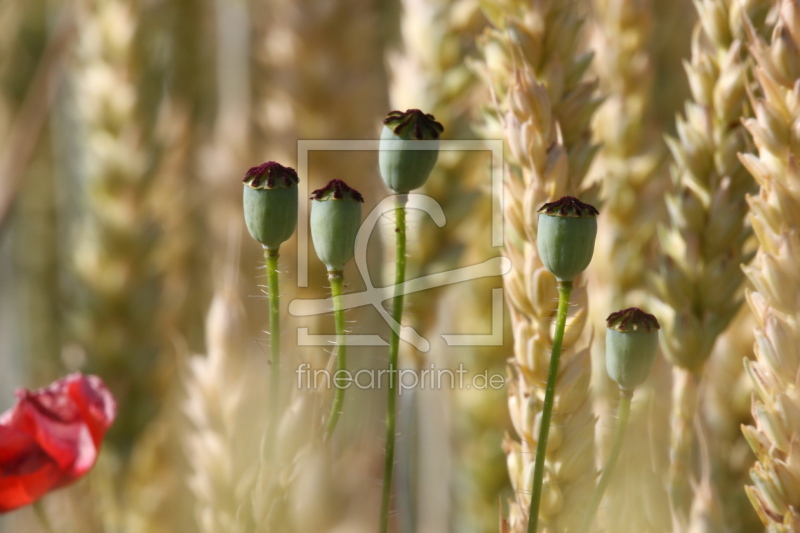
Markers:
point(337, 190)
point(568, 206)
point(632, 319)
point(413, 124)
point(271, 175)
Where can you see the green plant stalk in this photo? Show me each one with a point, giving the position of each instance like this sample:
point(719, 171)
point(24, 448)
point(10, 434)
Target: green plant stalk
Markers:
point(271, 261)
point(41, 514)
point(564, 292)
point(394, 349)
point(337, 288)
point(619, 435)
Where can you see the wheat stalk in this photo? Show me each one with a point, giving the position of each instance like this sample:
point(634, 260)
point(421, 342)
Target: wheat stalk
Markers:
point(699, 278)
point(774, 275)
point(725, 406)
point(534, 69)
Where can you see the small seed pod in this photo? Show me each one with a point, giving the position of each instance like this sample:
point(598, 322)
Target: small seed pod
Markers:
point(270, 203)
point(631, 347)
point(405, 167)
point(335, 219)
point(567, 230)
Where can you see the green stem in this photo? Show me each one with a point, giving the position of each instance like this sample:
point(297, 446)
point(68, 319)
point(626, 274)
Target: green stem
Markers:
point(337, 287)
point(564, 292)
point(625, 397)
point(41, 514)
point(271, 261)
point(394, 349)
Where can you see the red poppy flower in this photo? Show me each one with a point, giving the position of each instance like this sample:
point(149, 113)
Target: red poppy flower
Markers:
point(51, 437)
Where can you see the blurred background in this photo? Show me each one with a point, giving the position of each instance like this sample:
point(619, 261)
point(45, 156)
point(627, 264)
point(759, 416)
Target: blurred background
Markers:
point(125, 130)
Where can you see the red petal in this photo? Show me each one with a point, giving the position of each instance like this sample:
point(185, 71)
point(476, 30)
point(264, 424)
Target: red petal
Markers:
point(26, 471)
point(95, 403)
point(52, 437)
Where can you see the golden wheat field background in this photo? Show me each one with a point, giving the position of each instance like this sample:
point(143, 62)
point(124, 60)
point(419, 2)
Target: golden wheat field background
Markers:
point(126, 127)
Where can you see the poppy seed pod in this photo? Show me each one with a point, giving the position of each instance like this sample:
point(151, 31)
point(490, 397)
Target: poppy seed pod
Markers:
point(566, 234)
point(404, 167)
point(335, 219)
point(631, 346)
point(270, 203)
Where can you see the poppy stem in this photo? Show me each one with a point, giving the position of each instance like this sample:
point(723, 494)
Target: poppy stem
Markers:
point(337, 288)
point(597, 497)
point(564, 292)
point(41, 514)
point(271, 261)
point(394, 348)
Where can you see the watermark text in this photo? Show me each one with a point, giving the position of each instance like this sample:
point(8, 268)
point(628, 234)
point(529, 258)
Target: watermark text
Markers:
point(403, 379)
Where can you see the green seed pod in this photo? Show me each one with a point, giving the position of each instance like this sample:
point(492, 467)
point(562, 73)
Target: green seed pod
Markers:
point(567, 229)
point(335, 219)
point(631, 346)
point(270, 203)
point(404, 167)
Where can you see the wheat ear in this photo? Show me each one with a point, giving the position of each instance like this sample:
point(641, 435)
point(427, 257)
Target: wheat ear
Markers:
point(775, 216)
point(699, 279)
point(534, 69)
point(112, 256)
point(214, 386)
point(630, 156)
